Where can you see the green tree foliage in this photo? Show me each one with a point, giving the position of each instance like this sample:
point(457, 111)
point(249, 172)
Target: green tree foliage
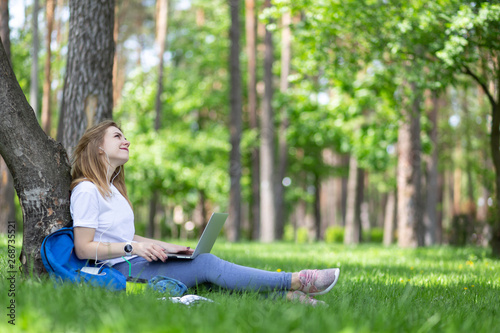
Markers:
point(350, 59)
point(190, 153)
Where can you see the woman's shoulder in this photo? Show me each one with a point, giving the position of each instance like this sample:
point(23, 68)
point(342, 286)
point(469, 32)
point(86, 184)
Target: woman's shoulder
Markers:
point(85, 186)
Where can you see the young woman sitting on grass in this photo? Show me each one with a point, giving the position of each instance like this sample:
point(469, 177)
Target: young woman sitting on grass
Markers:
point(103, 223)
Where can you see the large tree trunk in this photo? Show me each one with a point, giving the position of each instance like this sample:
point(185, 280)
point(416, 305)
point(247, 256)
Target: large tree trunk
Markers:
point(408, 177)
point(88, 84)
point(47, 82)
point(34, 58)
point(235, 124)
point(267, 212)
point(282, 144)
point(7, 206)
point(251, 31)
point(430, 218)
point(39, 166)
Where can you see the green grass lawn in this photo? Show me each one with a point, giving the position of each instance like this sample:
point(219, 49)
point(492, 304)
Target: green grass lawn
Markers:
point(380, 289)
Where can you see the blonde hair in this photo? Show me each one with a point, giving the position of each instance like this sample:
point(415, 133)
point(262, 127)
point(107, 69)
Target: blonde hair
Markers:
point(89, 165)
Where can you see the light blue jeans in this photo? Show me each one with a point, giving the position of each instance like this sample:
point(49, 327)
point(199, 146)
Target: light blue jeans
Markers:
point(207, 268)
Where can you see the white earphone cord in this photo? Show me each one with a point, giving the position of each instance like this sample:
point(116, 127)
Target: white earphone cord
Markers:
point(99, 243)
point(109, 163)
point(100, 237)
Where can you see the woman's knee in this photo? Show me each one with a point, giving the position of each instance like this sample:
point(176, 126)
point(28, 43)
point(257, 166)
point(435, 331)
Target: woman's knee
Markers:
point(207, 258)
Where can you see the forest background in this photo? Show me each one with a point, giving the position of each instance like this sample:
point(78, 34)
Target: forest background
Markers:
point(344, 121)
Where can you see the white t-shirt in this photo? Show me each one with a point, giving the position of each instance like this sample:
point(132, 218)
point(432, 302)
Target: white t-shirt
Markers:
point(112, 217)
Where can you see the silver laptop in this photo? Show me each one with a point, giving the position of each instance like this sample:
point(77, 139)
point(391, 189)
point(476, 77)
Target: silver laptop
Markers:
point(208, 237)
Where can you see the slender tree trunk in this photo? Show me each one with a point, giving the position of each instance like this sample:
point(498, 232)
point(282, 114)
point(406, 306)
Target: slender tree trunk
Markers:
point(153, 204)
point(116, 59)
point(38, 165)
point(59, 21)
point(46, 99)
point(317, 206)
point(4, 26)
point(34, 58)
point(251, 31)
point(430, 218)
point(364, 208)
point(345, 189)
point(267, 197)
point(495, 151)
point(439, 217)
point(329, 197)
point(235, 124)
point(161, 37)
point(389, 220)
point(408, 176)
point(352, 234)
point(282, 144)
point(88, 84)
point(495, 154)
point(7, 206)
point(60, 28)
point(470, 208)
point(204, 212)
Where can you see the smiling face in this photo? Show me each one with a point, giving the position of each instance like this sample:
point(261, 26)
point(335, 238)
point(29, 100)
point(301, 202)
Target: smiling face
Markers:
point(116, 147)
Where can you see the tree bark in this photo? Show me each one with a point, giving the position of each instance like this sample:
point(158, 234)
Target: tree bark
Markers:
point(235, 101)
point(34, 58)
point(46, 99)
point(7, 206)
point(88, 83)
point(38, 164)
point(267, 211)
point(251, 31)
point(282, 144)
point(495, 154)
point(430, 218)
point(408, 176)
point(4, 26)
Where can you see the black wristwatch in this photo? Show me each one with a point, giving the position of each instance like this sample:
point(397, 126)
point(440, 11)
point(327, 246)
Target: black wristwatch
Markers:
point(128, 249)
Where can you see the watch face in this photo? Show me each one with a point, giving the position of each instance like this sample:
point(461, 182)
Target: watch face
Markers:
point(128, 248)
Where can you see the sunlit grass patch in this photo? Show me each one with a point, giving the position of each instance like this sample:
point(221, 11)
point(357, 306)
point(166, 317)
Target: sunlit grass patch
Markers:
point(439, 289)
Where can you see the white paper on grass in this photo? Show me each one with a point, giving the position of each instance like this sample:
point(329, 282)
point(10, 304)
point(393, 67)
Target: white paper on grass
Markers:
point(186, 299)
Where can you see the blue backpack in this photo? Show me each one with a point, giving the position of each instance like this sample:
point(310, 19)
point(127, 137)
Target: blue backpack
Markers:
point(61, 262)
